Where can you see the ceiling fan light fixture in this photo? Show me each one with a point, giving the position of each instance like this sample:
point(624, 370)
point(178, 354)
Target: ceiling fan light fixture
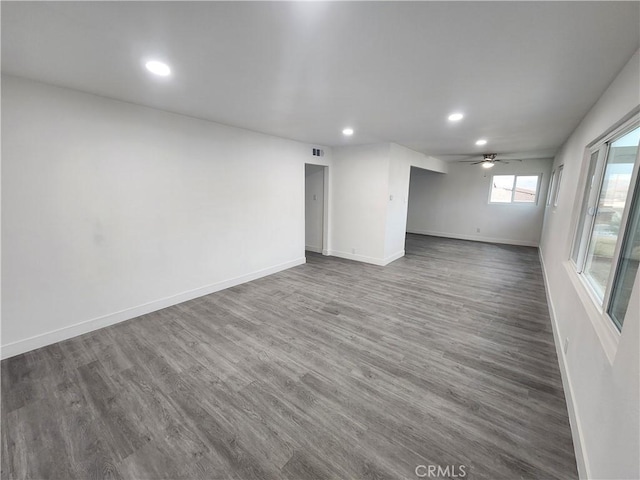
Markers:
point(487, 164)
point(481, 142)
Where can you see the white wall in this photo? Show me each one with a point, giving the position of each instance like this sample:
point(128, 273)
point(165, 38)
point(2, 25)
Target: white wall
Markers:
point(603, 393)
point(401, 161)
point(370, 185)
point(398, 193)
point(111, 210)
point(314, 207)
point(359, 183)
point(457, 204)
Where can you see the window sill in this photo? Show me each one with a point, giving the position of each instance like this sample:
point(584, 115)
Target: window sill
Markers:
point(605, 329)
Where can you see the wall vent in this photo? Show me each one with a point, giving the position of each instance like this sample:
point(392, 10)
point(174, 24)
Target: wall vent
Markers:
point(318, 153)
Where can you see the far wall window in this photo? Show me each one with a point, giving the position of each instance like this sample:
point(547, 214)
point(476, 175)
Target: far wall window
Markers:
point(514, 188)
point(606, 248)
point(552, 185)
point(556, 192)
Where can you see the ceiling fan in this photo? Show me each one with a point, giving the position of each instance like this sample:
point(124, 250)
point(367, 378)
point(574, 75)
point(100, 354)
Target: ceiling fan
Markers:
point(488, 161)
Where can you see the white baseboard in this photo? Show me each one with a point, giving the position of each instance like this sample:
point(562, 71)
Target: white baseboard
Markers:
point(475, 238)
point(22, 346)
point(363, 258)
point(582, 461)
point(394, 257)
point(357, 258)
point(310, 248)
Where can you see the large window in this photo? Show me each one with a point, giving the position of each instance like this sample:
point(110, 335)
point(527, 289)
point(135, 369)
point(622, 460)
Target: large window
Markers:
point(514, 188)
point(627, 265)
point(607, 243)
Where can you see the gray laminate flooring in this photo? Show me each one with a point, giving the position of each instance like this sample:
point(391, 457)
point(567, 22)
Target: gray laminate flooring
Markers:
point(334, 369)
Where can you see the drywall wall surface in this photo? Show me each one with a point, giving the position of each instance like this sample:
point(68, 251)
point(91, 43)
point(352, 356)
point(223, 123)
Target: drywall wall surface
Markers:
point(369, 191)
point(457, 204)
point(359, 185)
point(110, 210)
point(395, 228)
point(603, 392)
point(314, 207)
point(417, 159)
point(401, 159)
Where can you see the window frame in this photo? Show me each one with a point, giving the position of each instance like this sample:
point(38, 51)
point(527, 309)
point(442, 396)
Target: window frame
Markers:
point(513, 188)
point(556, 192)
point(592, 185)
point(634, 197)
point(552, 184)
point(591, 177)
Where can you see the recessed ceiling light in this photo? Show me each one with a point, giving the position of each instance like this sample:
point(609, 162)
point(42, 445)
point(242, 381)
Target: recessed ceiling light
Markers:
point(487, 164)
point(454, 117)
point(158, 68)
point(482, 141)
point(347, 131)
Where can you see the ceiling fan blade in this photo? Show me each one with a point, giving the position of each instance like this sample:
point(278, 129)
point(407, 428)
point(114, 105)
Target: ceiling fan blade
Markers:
point(461, 158)
point(477, 163)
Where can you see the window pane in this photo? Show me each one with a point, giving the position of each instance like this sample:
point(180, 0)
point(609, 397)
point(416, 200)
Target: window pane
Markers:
point(502, 189)
point(552, 184)
point(585, 205)
point(558, 184)
point(526, 189)
point(628, 265)
point(613, 196)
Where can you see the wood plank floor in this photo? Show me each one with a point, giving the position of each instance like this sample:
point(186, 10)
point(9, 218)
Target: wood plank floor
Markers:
point(333, 369)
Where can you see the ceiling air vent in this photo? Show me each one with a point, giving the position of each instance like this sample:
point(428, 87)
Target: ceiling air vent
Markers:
point(318, 153)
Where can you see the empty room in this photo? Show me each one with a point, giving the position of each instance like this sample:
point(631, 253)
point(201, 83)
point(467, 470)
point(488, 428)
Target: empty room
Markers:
point(320, 240)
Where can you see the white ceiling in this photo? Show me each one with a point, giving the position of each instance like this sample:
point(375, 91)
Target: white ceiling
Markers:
point(524, 73)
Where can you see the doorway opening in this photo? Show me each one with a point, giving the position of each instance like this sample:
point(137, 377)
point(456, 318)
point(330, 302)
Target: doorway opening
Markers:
point(315, 208)
point(423, 209)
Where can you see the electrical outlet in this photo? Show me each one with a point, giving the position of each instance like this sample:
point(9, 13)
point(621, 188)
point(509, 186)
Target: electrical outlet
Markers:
point(566, 345)
point(477, 230)
point(391, 198)
point(315, 197)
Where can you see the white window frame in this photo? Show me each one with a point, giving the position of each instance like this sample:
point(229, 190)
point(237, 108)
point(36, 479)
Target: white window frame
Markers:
point(513, 191)
point(556, 193)
point(552, 184)
point(582, 241)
